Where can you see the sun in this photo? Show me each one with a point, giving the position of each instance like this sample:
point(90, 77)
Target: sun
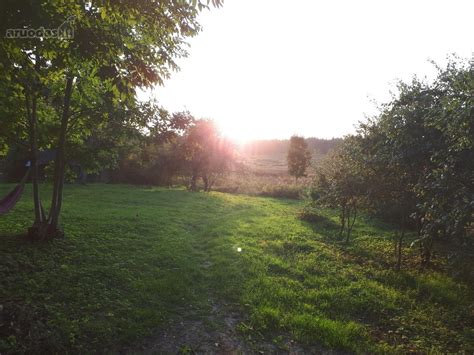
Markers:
point(236, 133)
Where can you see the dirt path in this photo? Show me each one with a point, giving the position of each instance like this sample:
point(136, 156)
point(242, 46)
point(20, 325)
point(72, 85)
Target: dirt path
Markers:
point(215, 333)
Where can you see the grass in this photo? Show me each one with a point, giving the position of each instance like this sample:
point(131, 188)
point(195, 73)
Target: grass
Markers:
point(264, 184)
point(135, 258)
point(265, 175)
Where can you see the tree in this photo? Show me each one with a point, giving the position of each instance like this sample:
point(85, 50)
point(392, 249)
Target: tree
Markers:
point(414, 161)
point(428, 130)
point(386, 188)
point(66, 84)
point(156, 156)
point(340, 184)
point(299, 157)
point(207, 154)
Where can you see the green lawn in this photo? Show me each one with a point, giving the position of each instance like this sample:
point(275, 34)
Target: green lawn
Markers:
point(134, 259)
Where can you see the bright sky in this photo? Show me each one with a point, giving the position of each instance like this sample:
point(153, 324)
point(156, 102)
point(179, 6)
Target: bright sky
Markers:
point(272, 68)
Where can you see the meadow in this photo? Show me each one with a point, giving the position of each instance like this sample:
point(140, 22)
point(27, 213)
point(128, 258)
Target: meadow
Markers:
point(143, 267)
point(266, 175)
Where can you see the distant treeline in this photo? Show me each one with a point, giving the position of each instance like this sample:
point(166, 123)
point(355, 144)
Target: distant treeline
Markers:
point(280, 146)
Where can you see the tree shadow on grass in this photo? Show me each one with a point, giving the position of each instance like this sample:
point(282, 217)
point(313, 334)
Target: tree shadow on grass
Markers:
point(356, 250)
point(322, 225)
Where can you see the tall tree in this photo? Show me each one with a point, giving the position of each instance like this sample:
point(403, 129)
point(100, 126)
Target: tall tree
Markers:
point(298, 157)
point(113, 48)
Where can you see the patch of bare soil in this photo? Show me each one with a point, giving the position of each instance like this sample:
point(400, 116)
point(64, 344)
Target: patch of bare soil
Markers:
point(216, 333)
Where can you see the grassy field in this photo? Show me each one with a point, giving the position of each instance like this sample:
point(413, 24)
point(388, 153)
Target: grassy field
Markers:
point(266, 175)
point(136, 261)
point(267, 185)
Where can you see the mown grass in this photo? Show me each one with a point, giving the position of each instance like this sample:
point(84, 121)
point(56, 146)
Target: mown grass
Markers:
point(134, 258)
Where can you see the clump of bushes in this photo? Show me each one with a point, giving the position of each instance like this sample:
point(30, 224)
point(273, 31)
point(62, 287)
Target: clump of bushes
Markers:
point(412, 164)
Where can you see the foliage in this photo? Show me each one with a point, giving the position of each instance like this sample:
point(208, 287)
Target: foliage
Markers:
point(207, 155)
point(413, 164)
point(68, 89)
point(339, 184)
point(154, 157)
point(429, 130)
point(299, 157)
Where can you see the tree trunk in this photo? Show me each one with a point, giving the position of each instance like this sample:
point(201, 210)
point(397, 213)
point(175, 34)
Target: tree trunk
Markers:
point(205, 179)
point(427, 246)
point(343, 220)
point(193, 182)
point(60, 162)
point(400, 245)
point(33, 137)
point(348, 231)
point(350, 224)
point(47, 229)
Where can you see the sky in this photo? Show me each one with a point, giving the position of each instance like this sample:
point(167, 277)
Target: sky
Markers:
point(264, 69)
